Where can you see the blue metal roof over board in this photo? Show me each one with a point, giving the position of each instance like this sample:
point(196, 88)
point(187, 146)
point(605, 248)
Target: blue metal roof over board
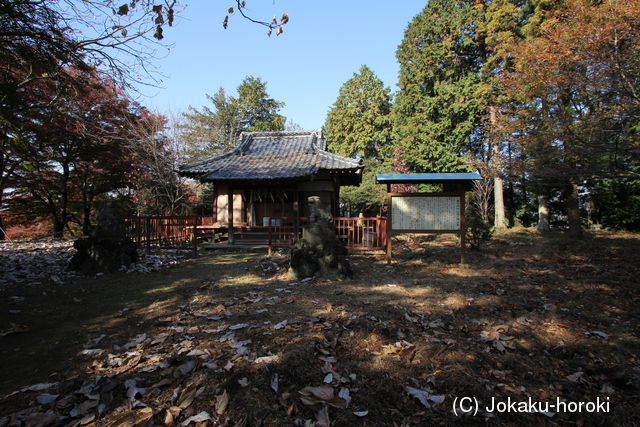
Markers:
point(414, 178)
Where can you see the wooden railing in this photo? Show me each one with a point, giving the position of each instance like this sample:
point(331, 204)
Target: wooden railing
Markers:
point(163, 231)
point(180, 231)
point(356, 233)
point(284, 232)
point(362, 234)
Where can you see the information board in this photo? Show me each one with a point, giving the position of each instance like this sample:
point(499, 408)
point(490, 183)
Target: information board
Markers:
point(425, 213)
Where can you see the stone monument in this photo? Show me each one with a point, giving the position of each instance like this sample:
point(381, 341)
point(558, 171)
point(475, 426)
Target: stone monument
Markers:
point(107, 248)
point(319, 253)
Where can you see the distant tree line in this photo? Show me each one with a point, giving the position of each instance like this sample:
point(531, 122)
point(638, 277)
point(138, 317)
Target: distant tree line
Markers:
point(71, 134)
point(541, 97)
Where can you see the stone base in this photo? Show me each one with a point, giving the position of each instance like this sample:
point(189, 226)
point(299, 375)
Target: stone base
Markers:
point(103, 255)
point(319, 254)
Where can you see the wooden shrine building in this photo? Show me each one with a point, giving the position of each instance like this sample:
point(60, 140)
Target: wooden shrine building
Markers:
point(272, 174)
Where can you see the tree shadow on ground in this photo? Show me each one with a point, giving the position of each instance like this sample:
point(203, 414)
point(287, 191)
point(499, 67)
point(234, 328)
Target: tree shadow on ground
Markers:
point(532, 319)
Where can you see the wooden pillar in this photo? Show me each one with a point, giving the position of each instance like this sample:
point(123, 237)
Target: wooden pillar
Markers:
point(389, 219)
point(336, 194)
point(230, 214)
point(463, 230)
point(302, 204)
point(216, 188)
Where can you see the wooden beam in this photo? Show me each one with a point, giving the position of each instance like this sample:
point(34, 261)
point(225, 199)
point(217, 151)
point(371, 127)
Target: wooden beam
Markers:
point(336, 195)
point(389, 219)
point(463, 230)
point(230, 214)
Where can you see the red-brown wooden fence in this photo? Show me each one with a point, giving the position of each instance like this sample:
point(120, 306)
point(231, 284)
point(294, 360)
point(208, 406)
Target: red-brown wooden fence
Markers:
point(178, 231)
point(357, 233)
point(163, 231)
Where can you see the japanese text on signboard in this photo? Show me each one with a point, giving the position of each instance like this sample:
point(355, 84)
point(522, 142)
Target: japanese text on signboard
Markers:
point(425, 213)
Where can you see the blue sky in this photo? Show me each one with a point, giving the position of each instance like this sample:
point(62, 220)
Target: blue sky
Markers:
point(324, 43)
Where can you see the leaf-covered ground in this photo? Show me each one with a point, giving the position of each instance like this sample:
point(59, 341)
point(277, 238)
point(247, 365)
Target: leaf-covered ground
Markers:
point(541, 327)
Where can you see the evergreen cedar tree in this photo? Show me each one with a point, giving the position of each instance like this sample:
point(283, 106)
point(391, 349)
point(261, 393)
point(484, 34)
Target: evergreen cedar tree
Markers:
point(359, 122)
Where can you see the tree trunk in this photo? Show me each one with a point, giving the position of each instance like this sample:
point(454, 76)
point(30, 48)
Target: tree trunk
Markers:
point(543, 213)
point(86, 220)
point(498, 185)
point(3, 235)
point(58, 228)
point(573, 211)
point(498, 190)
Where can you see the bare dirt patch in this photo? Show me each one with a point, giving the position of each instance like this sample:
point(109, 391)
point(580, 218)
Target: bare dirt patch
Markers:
point(231, 339)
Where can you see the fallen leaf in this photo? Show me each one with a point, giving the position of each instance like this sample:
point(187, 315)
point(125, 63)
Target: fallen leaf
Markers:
point(14, 329)
point(222, 401)
point(132, 419)
point(280, 325)
point(92, 352)
point(576, 377)
point(498, 345)
point(323, 417)
point(267, 359)
point(133, 390)
point(187, 396)
point(606, 388)
point(46, 398)
point(424, 397)
point(314, 395)
point(344, 393)
point(171, 414)
point(94, 341)
point(598, 333)
point(496, 333)
point(238, 326)
point(199, 418)
point(136, 341)
point(197, 353)
point(15, 300)
point(323, 394)
point(410, 319)
point(184, 369)
point(525, 321)
point(407, 354)
point(40, 387)
point(291, 411)
point(227, 337)
point(84, 408)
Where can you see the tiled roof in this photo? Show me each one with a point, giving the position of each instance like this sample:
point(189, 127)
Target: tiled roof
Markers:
point(271, 156)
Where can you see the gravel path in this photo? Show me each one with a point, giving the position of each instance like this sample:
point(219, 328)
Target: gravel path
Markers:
point(30, 261)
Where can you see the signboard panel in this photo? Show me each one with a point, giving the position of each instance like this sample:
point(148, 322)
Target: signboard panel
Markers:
point(425, 213)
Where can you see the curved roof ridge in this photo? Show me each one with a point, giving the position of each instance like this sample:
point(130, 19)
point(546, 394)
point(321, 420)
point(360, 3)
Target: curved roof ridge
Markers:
point(269, 155)
point(284, 133)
